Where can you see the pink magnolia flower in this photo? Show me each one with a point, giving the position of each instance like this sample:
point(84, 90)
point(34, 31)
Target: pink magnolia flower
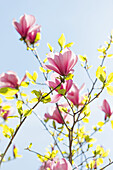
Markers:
point(54, 164)
point(26, 22)
point(62, 63)
point(26, 28)
point(10, 79)
point(73, 95)
point(54, 83)
point(31, 37)
point(106, 109)
point(5, 113)
point(63, 164)
point(56, 115)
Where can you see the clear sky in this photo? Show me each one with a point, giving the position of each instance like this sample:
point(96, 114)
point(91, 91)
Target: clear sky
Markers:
point(88, 23)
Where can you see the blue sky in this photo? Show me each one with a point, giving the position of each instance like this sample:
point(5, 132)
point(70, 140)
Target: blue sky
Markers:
point(88, 24)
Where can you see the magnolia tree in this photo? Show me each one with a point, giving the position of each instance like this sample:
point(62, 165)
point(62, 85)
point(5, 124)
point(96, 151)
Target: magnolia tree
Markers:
point(73, 146)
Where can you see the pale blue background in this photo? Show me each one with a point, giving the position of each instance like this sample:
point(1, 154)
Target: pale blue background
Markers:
point(85, 22)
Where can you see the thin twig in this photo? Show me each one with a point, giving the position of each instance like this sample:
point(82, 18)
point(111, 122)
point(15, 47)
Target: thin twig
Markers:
point(107, 165)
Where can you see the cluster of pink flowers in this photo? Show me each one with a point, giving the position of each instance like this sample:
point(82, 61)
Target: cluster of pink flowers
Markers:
point(71, 90)
point(62, 63)
point(72, 94)
point(26, 28)
point(54, 83)
point(56, 164)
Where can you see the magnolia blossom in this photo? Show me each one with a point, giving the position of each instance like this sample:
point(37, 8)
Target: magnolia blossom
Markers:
point(63, 164)
point(26, 22)
point(54, 83)
point(62, 63)
point(56, 115)
point(73, 95)
point(106, 109)
point(4, 113)
point(54, 164)
point(26, 27)
point(10, 79)
point(31, 37)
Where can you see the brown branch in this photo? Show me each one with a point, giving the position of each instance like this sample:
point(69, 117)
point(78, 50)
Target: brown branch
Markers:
point(70, 145)
point(107, 165)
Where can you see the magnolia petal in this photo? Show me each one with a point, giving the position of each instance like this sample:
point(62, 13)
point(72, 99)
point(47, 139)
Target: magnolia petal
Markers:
point(55, 98)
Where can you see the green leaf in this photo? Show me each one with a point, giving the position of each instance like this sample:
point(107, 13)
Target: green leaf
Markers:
point(7, 131)
point(23, 94)
point(54, 124)
point(90, 145)
point(95, 128)
point(85, 120)
point(13, 117)
point(27, 112)
point(37, 93)
point(0, 100)
point(60, 139)
point(101, 56)
point(46, 120)
point(68, 45)
point(19, 104)
point(8, 92)
point(110, 78)
point(102, 50)
point(112, 124)
point(63, 109)
point(34, 100)
point(33, 82)
point(9, 158)
point(69, 76)
point(110, 90)
point(24, 84)
point(29, 75)
point(91, 164)
point(9, 98)
point(100, 124)
point(100, 74)
point(109, 55)
point(6, 107)
point(38, 37)
point(45, 60)
point(82, 58)
point(30, 145)
point(62, 41)
point(15, 153)
point(50, 47)
point(35, 76)
point(99, 161)
point(42, 69)
point(62, 91)
point(88, 139)
point(46, 99)
point(105, 154)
